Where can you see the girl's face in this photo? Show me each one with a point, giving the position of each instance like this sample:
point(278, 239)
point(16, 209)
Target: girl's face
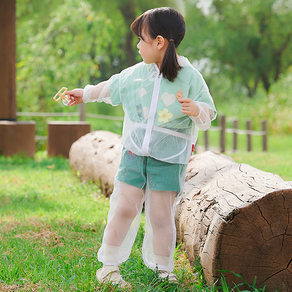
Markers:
point(148, 48)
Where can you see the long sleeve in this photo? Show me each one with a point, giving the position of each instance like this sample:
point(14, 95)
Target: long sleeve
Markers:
point(202, 98)
point(106, 91)
point(206, 115)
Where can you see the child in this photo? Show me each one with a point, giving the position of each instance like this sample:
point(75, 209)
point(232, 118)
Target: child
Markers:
point(165, 101)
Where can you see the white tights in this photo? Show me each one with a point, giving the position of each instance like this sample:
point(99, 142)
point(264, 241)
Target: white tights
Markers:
point(123, 222)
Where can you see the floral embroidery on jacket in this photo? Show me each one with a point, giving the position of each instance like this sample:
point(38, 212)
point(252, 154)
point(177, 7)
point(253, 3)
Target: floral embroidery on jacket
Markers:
point(164, 116)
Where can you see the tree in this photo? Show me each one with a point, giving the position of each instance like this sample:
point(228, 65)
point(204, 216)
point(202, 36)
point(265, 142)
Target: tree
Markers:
point(72, 43)
point(62, 49)
point(249, 41)
point(125, 11)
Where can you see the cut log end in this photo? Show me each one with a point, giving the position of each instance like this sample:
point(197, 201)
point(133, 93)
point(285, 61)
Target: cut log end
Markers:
point(237, 218)
point(256, 242)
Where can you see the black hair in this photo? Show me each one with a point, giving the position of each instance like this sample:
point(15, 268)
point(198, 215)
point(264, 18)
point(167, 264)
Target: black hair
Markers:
point(168, 23)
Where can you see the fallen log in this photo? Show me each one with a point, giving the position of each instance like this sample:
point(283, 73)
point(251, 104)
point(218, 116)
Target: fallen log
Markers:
point(96, 156)
point(235, 217)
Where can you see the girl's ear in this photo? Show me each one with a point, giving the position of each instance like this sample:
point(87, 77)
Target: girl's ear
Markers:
point(160, 42)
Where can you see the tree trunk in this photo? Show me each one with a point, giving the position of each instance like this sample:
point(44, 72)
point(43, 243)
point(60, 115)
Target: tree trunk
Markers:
point(237, 218)
point(96, 156)
point(233, 216)
point(7, 60)
point(266, 82)
point(127, 9)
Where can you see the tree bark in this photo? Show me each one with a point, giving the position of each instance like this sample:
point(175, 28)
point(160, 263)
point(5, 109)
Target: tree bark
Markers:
point(96, 156)
point(237, 218)
point(7, 60)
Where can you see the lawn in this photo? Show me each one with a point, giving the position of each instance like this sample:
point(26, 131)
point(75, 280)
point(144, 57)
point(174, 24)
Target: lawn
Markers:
point(51, 226)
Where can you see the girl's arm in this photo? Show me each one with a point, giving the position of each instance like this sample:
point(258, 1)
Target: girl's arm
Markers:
point(200, 112)
point(99, 92)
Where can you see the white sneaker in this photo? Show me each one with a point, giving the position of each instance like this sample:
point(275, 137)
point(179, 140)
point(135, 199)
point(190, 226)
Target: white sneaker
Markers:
point(111, 274)
point(167, 275)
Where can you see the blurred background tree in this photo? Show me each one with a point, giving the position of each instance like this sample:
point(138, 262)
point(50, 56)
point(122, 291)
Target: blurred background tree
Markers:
point(72, 43)
point(250, 42)
point(243, 49)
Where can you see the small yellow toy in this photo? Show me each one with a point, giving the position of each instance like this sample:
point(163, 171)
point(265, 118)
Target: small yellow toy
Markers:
point(61, 95)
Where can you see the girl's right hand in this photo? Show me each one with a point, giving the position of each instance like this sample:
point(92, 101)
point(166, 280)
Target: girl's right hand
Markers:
point(75, 96)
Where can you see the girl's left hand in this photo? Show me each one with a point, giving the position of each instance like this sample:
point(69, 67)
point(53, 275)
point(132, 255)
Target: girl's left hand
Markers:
point(189, 107)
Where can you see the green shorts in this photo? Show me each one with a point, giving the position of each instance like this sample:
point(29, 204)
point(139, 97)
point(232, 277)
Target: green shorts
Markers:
point(161, 176)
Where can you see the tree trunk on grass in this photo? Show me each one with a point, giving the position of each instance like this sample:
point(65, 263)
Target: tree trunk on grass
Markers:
point(96, 156)
point(237, 218)
point(233, 216)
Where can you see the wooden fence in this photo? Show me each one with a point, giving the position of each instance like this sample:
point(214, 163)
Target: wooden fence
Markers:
point(222, 128)
point(235, 131)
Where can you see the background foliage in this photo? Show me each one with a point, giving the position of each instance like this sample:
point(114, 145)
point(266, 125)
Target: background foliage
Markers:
point(243, 49)
point(248, 41)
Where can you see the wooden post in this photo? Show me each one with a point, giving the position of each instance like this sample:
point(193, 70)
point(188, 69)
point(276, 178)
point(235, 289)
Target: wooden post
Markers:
point(81, 108)
point(264, 129)
point(248, 135)
point(235, 127)
point(7, 60)
point(206, 139)
point(17, 137)
point(14, 136)
point(62, 134)
point(222, 133)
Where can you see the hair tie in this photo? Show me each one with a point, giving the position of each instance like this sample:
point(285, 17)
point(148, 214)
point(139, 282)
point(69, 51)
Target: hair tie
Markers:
point(171, 40)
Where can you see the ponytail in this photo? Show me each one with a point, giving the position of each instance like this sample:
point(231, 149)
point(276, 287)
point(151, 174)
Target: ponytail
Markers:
point(169, 67)
point(170, 24)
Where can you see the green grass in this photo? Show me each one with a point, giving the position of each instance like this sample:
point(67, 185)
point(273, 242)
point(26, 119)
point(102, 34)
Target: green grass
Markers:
point(51, 226)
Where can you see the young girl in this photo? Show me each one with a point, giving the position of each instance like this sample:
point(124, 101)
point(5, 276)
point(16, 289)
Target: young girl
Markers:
point(165, 100)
